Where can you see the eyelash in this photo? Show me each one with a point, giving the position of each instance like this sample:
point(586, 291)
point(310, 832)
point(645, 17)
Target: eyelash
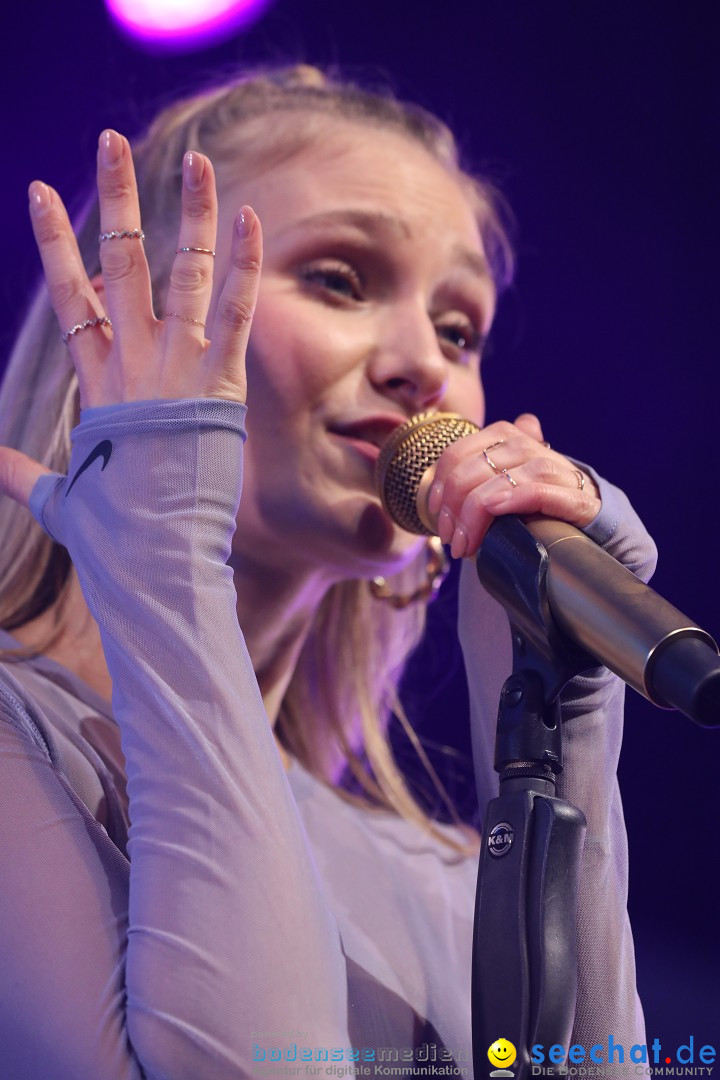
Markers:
point(327, 275)
point(472, 342)
point(320, 275)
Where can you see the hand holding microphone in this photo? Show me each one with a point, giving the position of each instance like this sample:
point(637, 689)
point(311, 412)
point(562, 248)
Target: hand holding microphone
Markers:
point(595, 602)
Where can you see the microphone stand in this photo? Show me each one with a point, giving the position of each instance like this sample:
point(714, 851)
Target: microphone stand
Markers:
point(524, 980)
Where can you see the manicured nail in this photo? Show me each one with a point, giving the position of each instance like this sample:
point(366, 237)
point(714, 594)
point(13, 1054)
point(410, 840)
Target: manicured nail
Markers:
point(495, 500)
point(446, 525)
point(245, 221)
point(111, 148)
point(193, 170)
point(39, 196)
point(459, 544)
point(435, 497)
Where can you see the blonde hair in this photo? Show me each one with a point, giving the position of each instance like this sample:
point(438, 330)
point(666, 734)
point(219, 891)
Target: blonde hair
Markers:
point(336, 711)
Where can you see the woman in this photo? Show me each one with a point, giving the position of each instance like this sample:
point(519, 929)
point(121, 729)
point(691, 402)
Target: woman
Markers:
point(254, 907)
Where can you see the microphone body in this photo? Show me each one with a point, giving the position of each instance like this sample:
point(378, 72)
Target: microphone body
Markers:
point(595, 602)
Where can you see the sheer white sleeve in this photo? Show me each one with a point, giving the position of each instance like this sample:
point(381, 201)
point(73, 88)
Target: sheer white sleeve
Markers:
point(227, 933)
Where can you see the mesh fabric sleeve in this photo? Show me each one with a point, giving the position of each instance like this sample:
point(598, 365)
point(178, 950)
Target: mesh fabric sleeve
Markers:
point(227, 934)
point(592, 709)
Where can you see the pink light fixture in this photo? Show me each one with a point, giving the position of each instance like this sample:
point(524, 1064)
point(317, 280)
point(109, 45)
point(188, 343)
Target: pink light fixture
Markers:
point(183, 24)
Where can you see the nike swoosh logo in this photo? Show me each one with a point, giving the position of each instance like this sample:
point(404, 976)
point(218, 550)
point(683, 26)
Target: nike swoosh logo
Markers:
point(102, 450)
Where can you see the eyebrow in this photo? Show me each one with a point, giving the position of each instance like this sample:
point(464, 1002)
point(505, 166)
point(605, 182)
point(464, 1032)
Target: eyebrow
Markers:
point(473, 261)
point(373, 221)
point(379, 222)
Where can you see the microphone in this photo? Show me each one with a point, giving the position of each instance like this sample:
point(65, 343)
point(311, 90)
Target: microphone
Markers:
point(595, 602)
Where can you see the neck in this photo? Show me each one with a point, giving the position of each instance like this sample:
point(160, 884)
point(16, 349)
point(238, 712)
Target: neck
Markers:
point(275, 610)
point(77, 646)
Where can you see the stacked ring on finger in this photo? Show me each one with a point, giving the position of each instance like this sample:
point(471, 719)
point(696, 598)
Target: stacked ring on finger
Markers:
point(121, 234)
point(489, 460)
point(580, 477)
point(100, 320)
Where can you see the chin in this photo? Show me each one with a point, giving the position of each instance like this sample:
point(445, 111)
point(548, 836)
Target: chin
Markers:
point(389, 547)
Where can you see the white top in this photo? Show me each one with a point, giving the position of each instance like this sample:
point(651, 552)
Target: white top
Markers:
point(258, 912)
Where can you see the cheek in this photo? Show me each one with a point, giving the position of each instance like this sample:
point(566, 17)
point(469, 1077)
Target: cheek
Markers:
point(465, 396)
point(284, 361)
point(298, 356)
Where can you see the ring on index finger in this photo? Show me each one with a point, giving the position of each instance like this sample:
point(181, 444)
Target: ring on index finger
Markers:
point(101, 320)
point(487, 457)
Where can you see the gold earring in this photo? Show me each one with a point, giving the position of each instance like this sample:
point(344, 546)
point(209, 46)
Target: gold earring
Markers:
point(436, 570)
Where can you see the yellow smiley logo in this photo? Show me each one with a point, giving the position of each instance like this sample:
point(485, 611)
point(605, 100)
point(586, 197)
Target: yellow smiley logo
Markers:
point(502, 1053)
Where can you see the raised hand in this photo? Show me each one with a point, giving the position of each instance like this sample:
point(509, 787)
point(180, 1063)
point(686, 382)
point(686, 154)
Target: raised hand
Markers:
point(506, 469)
point(120, 350)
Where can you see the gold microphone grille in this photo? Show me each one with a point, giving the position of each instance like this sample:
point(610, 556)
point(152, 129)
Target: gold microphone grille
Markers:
point(409, 452)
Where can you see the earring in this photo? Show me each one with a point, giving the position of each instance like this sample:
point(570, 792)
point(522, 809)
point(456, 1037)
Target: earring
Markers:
point(436, 570)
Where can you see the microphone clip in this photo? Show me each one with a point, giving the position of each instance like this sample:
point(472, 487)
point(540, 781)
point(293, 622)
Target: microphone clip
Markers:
point(512, 565)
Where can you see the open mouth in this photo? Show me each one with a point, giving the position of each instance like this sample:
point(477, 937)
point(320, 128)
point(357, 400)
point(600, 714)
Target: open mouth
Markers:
point(363, 446)
point(369, 434)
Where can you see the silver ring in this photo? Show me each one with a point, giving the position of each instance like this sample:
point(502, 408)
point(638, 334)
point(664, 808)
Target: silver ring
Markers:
point(201, 251)
point(183, 318)
point(509, 478)
point(101, 320)
point(121, 234)
point(489, 460)
point(580, 477)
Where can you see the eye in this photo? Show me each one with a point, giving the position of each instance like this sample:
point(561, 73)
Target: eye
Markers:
point(333, 277)
point(461, 339)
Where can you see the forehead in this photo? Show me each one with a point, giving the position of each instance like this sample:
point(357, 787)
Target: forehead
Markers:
point(349, 164)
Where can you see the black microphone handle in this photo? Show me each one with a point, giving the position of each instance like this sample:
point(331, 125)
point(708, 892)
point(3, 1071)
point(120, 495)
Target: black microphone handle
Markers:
point(601, 606)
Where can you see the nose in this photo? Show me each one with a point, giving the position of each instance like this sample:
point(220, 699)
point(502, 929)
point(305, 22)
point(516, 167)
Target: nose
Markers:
point(407, 364)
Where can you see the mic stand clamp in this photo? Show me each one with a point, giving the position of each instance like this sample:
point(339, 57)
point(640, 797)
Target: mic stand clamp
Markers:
point(524, 980)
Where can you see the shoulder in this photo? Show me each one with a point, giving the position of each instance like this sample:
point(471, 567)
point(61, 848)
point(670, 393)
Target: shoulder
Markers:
point(19, 711)
point(47, 718)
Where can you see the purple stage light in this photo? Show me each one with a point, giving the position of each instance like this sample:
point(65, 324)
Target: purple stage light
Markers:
point(183, 24)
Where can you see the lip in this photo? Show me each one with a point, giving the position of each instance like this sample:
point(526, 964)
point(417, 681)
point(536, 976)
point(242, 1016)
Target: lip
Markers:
point(368, 434)
point(366, 449)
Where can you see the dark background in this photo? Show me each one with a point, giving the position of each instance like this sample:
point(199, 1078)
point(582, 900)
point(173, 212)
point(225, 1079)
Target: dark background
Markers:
point(600, 121)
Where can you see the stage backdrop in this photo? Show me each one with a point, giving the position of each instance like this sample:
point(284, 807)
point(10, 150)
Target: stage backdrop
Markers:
point(600, 121)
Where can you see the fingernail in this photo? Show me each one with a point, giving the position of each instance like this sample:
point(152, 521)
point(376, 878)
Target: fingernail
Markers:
point(39, 196)
point(193, 170)
point(459, 544)
point(111, 148)
point(245, 221)
point(446, 525)
point(435, 497)
point(495, 500)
